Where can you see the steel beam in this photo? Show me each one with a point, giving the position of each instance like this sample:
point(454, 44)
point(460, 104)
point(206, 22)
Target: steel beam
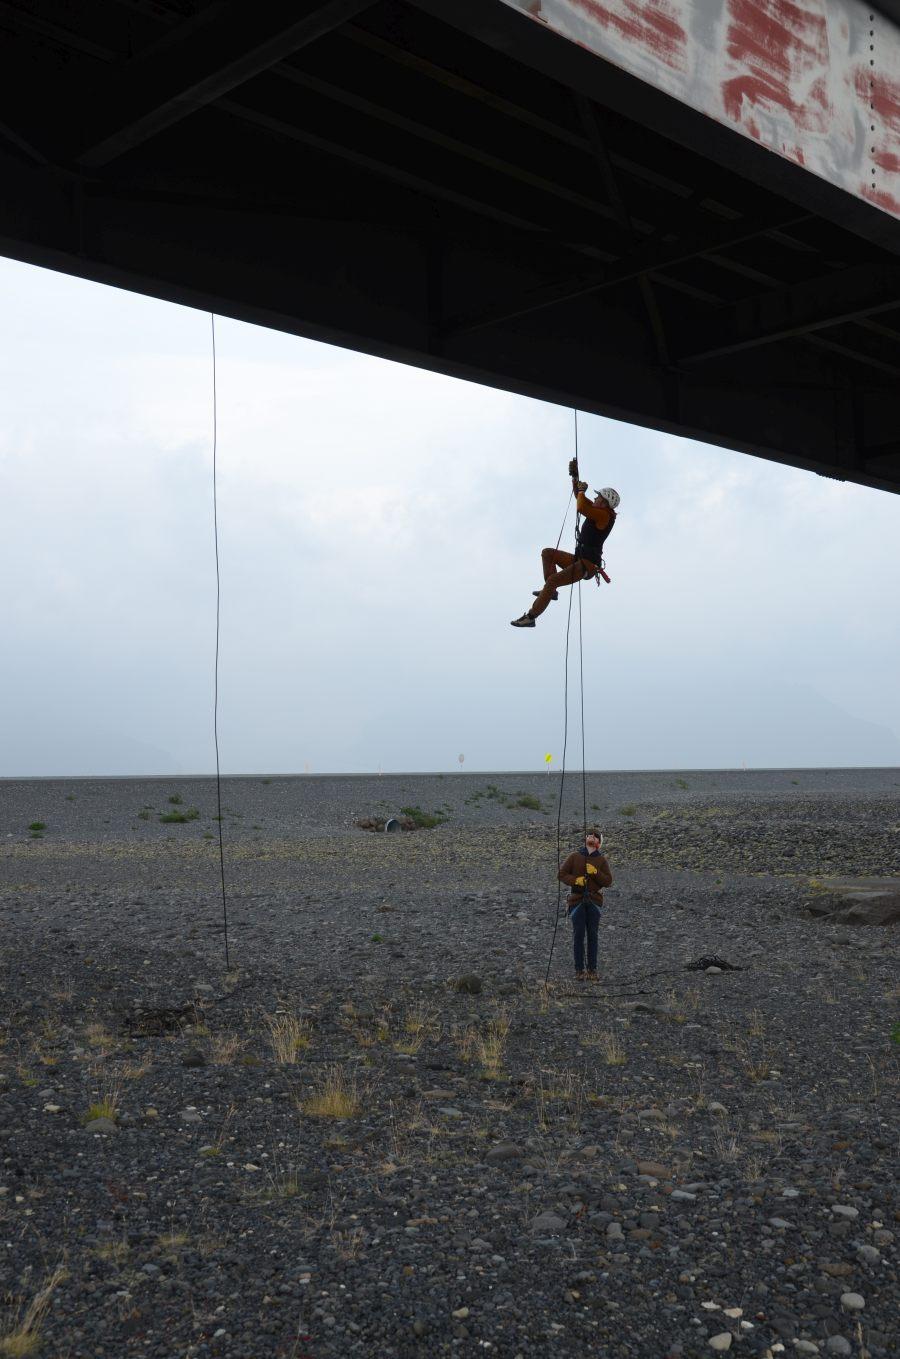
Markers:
point(649, 258)
point(814, 305)
point(198, 62)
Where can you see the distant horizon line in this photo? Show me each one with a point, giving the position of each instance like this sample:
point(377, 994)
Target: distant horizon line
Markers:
point(464, 773)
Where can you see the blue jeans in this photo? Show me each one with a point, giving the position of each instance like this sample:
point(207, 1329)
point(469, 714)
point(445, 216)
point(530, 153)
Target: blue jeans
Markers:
point(585, 917)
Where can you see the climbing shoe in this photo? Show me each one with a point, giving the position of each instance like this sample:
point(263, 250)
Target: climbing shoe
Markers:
point(591, 976)
point(581, 976)
point(526, 621)
point(555, 594)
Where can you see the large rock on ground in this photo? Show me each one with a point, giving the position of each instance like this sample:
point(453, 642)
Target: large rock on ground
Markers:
point(857, 901)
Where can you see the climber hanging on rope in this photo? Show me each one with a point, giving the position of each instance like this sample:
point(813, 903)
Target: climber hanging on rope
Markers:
point(586, 563)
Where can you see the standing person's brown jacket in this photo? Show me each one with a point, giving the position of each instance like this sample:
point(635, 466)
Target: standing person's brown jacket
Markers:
point(576, 866)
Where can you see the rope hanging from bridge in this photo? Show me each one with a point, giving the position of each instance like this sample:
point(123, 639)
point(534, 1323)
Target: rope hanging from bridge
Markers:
point(215, 442)
point(562, 777)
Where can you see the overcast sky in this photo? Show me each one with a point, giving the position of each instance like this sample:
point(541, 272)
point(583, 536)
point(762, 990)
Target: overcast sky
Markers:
point(379, 527)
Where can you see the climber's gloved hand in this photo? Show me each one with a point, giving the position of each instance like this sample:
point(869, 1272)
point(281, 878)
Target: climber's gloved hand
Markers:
point(592, 869)
point(581, 882)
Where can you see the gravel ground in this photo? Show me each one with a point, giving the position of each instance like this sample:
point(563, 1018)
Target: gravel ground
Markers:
point(330, 1149)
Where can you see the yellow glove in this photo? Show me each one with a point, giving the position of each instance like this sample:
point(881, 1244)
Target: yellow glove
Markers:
point(592, 868)
point(580, 882)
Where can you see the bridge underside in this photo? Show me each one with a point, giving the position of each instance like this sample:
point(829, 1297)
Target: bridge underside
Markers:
point(445, 183)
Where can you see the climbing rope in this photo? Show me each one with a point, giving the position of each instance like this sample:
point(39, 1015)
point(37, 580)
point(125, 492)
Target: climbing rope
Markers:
point(562, 776)
point(215, 441)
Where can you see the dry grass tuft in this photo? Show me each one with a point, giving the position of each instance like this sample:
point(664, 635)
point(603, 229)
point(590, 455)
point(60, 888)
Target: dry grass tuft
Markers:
point(757, 1068)
point(289, 1036)
point(559, 1092)
point(106, 1105)
point(99, 1036)
point(611, 1048)
point(421, 1025)
point(23, 1334)
point(225, 1048)
point(725, 1144)
point(485, 1045)
point(349, 1244)
point(134, 1071)
point(336, 1096)
point(282, 1185)
point(116, 1252)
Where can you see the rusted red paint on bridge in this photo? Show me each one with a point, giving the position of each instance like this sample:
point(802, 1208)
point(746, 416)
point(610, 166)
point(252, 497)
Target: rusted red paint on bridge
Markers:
point(651, 25)
point(814, 81)
point(779, 45)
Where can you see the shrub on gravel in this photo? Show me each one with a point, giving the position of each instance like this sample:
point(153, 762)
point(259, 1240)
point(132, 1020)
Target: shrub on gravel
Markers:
point(189, 814)
point(37, 826)
point(423, 820)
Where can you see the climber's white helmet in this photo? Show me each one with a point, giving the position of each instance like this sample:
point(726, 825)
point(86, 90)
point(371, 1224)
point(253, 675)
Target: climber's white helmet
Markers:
point(610, 496)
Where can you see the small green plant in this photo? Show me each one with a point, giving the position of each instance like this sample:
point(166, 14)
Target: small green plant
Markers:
point(377, 939)
point(681, 783)
point(423, 820)
point(189, 814)
point(37, 826)
point(176, 799)
point(628, 810)
point(107, 1106)
point(70, 797)
point(529, 801)
point(266, 781)
point(895, 1033)
point(143, 816)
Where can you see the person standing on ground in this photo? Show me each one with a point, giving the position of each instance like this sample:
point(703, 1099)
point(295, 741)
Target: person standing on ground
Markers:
point(587, 872)
point(565, 568)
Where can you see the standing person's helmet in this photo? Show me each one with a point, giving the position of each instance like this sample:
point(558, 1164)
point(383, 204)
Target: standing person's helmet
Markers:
point(609, 495)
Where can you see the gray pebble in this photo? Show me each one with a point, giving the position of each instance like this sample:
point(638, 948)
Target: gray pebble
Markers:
point(853, 1302)
point(548, 1222)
